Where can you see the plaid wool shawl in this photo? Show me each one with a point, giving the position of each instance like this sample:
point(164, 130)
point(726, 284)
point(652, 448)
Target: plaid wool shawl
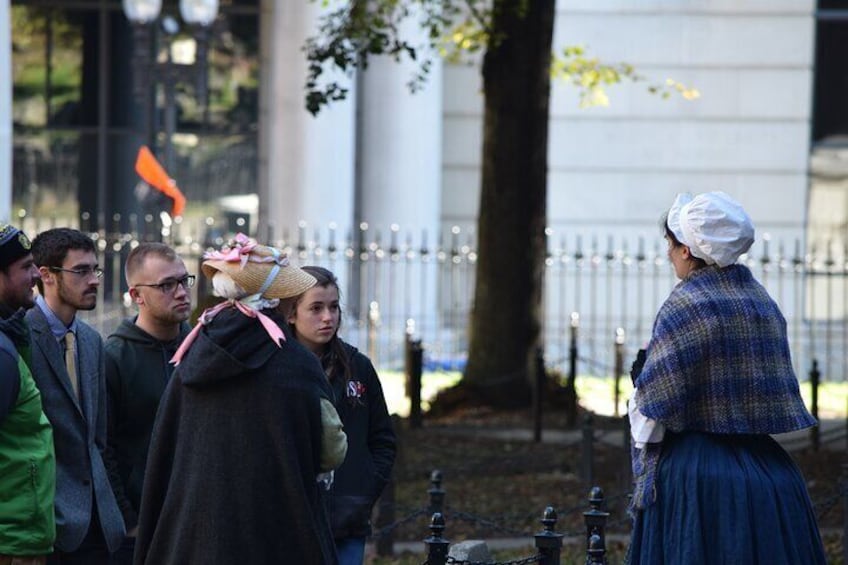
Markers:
point(718, 362)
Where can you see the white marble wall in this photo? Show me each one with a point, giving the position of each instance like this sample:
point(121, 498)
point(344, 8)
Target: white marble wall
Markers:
point(399, 149)
point(307, 163)
point(374, 160)
point(617, 168)
point(399, 177)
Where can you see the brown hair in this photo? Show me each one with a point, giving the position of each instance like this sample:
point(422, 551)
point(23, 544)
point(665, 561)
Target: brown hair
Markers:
point(50, 248)
point(138, 254)
point(334, 360)
point(700, 263)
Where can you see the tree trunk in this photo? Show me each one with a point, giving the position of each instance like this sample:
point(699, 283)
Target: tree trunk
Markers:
point(506, 317)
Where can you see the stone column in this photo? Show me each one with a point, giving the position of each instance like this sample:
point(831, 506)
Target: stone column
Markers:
point(306, 162)
point(399, 182)
point(400, 147)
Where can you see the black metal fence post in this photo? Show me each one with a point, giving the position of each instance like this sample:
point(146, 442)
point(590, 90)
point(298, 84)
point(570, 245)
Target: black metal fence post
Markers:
point(571, 388)
point(373, 328)
point(626, 474)
point(414, 366)
point(437, 546)
point(436, 493)
point(815, 378)
point(619, 368)
point(844, 490)
point(548, 541)
point(596, 553)
point(587, 449)
point(596, 520)
point(385, 543)
point(538, 394)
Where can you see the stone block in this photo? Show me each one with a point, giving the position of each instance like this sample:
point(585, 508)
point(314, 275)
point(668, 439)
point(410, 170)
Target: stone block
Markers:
point(470, 550)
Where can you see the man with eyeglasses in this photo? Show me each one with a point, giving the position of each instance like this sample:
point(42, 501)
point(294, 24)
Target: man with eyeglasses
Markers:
point(138, 369)
point(68, 364)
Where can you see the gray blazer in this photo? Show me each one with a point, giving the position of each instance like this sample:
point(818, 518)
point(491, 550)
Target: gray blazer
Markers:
point(79, 433)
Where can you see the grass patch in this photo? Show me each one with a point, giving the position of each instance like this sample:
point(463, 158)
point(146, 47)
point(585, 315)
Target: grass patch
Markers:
point(595, 393)
point(394, 388)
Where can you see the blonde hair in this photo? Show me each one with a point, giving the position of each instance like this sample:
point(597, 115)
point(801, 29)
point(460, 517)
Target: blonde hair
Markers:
point(225, 287)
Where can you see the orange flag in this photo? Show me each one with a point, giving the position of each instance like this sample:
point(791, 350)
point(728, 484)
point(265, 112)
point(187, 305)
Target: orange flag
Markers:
point(149, 169)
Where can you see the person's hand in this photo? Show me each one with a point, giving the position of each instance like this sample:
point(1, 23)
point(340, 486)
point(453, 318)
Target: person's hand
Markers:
point(133, 532)
point(637, 365)
point(326, 479)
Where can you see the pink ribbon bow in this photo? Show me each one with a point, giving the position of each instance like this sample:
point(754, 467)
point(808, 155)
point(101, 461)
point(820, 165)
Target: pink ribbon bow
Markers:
point(237, 250)
point(271, 328)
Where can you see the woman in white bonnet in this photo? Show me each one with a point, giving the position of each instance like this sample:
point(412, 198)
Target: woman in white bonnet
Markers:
point(711, 485)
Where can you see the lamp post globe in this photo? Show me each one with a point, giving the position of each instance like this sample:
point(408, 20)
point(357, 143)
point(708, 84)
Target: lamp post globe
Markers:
point(199, 12)
point(142, 11)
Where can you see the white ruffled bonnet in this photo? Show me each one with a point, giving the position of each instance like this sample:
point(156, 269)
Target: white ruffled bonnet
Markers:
point(713, 225)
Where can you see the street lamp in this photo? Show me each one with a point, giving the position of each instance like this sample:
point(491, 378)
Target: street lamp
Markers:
point(199, 12)
point(195, 12)
point(148, 71)
point(142, 11)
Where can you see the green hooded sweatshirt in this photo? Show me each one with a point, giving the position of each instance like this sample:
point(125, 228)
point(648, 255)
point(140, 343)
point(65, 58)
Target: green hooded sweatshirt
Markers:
point(27, 467)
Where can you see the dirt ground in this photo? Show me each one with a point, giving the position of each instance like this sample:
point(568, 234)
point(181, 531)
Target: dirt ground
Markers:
point(497, 488)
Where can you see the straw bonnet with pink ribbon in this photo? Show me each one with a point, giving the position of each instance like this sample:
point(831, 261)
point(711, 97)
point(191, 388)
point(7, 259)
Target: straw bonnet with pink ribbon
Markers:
point(264, 276)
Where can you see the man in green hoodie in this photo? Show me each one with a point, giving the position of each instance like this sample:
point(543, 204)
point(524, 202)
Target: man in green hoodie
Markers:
point(138, 368)
point(27, 459)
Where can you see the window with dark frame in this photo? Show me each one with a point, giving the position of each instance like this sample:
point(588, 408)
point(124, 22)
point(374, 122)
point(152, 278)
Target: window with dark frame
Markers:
point(59, 119)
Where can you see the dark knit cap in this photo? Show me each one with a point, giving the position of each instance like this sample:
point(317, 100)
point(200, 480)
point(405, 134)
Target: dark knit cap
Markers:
point(14, 244)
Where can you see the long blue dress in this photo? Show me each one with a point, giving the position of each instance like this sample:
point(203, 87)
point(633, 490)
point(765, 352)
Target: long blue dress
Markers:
point(734, 499)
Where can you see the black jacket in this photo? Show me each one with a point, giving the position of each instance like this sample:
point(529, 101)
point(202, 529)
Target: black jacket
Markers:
point(371, 448)
point(137, 371)
point(235, 453)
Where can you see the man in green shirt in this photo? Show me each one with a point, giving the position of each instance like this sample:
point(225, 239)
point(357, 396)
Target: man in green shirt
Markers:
point(27, 460)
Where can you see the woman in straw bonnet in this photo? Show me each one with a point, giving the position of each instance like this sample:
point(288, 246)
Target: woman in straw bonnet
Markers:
point(711, 485)
point(244, 431)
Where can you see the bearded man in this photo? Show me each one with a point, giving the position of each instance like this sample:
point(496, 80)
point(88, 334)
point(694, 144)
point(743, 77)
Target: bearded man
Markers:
point(68, 367)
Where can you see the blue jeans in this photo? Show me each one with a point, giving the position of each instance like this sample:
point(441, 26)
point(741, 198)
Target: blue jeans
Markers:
point(351, 551)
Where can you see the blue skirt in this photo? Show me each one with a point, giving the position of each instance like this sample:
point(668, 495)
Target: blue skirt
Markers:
point(726, 499)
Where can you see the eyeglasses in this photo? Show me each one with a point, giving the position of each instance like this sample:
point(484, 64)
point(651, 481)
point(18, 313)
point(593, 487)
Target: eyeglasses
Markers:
point(83, 272)
point(170, 286)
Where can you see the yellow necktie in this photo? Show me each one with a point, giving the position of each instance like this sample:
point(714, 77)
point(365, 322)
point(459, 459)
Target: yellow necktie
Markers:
point(71, 360)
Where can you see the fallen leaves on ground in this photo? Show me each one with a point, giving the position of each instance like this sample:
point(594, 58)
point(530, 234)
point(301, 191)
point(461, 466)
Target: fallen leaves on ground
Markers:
point(497, 488)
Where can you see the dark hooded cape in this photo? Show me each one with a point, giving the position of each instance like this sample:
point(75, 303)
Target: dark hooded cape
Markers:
point(231, 472)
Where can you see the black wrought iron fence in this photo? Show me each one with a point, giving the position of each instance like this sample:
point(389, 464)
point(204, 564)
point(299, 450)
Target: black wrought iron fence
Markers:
point(604, 514)
point(399, 284)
